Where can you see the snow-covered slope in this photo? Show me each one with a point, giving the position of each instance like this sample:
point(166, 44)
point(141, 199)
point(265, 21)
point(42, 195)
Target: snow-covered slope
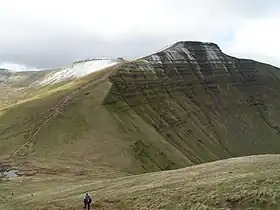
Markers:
point(45, 77)
point(76, 70)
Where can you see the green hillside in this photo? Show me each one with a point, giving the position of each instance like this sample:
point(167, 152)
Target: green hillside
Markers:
point(238, 183)
point(186, 105)
point(206, 104)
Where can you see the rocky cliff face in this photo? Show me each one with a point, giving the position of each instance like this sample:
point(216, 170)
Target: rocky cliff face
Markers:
point(206, 104)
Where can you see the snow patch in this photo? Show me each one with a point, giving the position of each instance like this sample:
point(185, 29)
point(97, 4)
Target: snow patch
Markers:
point(156, 59)
point(181, 47)
point(185, 50)
point(177, 54)
point(212, 55)
point(76, 70)
point(188, 53)
point(173, 55)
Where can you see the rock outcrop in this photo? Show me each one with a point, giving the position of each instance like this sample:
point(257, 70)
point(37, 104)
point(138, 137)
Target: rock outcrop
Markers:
point(206, 104)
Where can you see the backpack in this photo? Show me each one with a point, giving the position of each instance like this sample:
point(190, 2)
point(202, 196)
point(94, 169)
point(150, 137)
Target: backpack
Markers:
point(87, 199)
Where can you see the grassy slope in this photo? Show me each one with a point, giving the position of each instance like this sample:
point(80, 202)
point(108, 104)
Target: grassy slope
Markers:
point(71, 128)
point(204, 123)
point(66, 136)
point(68, 126)
point(238, 183)
point(19, 86)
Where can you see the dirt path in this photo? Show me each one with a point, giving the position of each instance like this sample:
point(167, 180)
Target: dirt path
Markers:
point(55, 111)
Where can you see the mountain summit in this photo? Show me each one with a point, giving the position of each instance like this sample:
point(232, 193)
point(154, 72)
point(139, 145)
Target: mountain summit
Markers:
point(207, 105)
point(187, 104)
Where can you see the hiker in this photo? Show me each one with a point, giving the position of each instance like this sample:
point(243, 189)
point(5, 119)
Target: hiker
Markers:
point(87, 201)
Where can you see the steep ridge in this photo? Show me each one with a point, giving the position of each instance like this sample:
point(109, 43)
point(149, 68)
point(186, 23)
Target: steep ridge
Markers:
point(187, 104)
point(76, 70)
point(70, 132)
point(206, 104)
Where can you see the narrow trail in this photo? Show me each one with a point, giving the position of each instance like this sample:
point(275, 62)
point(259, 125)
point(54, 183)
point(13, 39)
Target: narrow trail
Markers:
point(56, 110)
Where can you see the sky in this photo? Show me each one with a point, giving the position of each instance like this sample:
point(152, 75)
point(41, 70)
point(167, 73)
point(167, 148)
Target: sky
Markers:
point(48, 33)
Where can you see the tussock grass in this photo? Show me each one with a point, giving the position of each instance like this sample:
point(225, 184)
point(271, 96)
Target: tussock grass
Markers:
point(238, 183)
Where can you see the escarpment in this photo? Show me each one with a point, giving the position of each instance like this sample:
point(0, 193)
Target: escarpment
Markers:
point(206, 104)
point(185, 105)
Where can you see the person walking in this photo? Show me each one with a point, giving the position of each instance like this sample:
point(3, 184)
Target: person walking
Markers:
point(87, 201)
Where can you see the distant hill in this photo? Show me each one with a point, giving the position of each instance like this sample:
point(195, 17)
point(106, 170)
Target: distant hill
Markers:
point(18, 85)
point(46, 77)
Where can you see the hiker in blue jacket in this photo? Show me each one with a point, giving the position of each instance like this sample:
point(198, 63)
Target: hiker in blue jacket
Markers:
point(87, 201)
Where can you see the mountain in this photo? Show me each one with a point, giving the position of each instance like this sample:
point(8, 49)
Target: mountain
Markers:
point(205, 104)
point(39, 78)
point(185, 105)
point(18, 85)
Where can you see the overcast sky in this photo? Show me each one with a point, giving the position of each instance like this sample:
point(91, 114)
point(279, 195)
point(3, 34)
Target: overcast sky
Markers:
point(48, 33)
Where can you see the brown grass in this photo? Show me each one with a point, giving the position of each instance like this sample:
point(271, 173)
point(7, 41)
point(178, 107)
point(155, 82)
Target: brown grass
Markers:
point(238, 183)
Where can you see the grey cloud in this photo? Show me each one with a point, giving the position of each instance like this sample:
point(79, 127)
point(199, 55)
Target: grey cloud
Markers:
point(250, 8)
point(61, 50)
point(43, 45)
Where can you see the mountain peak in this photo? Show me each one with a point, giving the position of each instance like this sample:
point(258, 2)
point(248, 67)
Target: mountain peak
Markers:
point(195, 51)
point(194, 44)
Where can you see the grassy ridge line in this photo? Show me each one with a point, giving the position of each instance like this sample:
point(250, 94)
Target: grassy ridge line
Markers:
point(58, 109)
point(22, 86)
point(55, 99)
point(11, 96)
point(236, 183)
point(59, 147)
